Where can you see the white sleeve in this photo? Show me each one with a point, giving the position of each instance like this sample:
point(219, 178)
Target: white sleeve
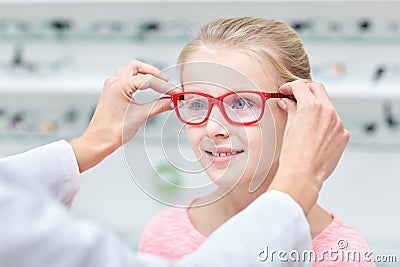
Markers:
point(53, 167)
point(37, 231)
point(274, 222)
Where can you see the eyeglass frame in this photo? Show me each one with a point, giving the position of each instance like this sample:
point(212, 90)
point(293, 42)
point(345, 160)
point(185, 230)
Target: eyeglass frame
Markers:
point(219, 101)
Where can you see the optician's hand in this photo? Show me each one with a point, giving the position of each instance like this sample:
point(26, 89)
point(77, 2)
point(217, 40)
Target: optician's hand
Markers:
point(313, 142)
point(108, 130)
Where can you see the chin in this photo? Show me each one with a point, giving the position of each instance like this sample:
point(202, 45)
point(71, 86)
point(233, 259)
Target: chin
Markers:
point(226, 181)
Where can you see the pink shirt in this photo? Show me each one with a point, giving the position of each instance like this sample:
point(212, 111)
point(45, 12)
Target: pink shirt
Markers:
point(171, 234)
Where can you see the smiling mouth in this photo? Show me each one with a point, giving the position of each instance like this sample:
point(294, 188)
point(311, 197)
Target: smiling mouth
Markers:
point(224, 154)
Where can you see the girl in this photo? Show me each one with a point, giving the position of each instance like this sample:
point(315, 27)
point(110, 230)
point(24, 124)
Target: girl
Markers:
point(270, 54)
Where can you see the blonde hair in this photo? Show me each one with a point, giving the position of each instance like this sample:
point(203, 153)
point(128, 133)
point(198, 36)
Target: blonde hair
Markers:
point(267, 40)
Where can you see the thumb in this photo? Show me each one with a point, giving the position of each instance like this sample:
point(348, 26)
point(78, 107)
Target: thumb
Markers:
point(289, 106)
point(156, 107)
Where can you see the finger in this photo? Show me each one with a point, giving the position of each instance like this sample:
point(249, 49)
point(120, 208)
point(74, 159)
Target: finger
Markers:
point(156, 107)
point(289, 106)
point(299, 89)
point(319, 91)
point(321, 94)
point(137, 67)
point(145, 81)
point(346, 136)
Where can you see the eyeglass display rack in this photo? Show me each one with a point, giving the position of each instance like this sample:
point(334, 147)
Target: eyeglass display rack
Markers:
point(70, 47)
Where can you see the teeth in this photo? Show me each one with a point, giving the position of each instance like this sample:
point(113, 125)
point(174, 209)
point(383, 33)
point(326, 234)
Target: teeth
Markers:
point(225, 154)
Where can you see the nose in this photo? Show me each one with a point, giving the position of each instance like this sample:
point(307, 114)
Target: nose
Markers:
point(215, 125)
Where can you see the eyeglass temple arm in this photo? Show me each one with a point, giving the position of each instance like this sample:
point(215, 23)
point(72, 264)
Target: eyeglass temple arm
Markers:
point(169, 97)
point(279, 95)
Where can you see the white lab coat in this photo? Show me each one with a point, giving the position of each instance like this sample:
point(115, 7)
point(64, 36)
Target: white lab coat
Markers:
point(38, 231)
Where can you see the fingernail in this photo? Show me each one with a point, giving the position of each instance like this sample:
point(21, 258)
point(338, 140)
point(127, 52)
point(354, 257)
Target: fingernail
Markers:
point(282, 104)
point(171, 104)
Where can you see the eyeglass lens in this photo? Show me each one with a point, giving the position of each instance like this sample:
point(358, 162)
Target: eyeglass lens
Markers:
point(239, 107)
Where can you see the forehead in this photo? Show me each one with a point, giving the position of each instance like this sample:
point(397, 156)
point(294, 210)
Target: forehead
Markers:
point(226, 70)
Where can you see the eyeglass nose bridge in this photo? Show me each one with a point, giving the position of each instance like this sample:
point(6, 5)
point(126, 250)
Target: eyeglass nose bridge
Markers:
point(215, 102)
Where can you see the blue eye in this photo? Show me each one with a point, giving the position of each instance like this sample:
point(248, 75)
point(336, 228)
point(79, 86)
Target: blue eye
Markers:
point(198, 105)
point(241, 103)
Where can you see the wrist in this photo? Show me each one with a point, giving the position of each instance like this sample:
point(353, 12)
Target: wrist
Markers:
point(90, 150)
point(301, 188)
point(103, 143)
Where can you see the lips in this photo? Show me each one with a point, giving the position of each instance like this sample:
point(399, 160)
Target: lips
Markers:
point(224, 154)
point(223, 151)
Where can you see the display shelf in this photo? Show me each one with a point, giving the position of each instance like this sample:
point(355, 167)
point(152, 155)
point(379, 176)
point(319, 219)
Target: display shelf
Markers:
point(182, 38)
point(378, 147)
point(87, 38)
point(95, 85)
point(363, 91)
point(352, 40)
point(6, 2)
point(50, 86)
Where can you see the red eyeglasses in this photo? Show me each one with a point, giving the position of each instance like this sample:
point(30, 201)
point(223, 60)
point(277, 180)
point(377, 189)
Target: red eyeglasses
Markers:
point(240, 107)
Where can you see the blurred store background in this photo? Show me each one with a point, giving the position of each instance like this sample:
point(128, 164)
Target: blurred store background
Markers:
point(55, 55)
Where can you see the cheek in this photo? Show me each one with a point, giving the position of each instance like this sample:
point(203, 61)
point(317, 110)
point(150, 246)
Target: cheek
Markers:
point(194, 136)
point(269, 134)
point(265, 147)
point(279, 118)
point(253, 162)
point(262, 146)
point(254, 142)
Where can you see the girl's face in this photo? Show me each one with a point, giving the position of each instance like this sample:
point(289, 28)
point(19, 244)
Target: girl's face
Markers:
point(234, 154)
